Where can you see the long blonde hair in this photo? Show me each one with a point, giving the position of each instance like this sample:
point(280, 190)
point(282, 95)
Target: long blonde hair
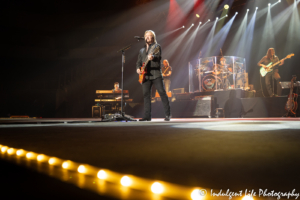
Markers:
point(153, 34)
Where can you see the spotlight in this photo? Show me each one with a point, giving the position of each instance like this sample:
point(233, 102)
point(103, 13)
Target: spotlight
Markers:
point(192, 24)
point(236, 13)
point(279, 0)
point(182, 26)
point(197, 15)
point(226, 6)
point(247, 10)
point(208, 20)
point(269, 4)
point(226, 15)
point(256, 8)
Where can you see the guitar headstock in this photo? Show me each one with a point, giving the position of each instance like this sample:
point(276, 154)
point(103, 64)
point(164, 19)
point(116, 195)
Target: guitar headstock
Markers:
point(290, 55)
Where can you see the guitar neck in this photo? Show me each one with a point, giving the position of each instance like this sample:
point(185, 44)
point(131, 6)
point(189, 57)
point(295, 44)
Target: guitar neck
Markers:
point(274, 64)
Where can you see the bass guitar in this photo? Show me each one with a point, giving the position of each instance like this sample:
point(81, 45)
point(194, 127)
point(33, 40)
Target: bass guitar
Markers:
point(291, 104)
point(154, 50)
point(269, 67)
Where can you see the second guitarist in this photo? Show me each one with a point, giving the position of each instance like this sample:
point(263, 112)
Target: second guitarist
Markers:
point(272, 76)
point(166, 72)
point(153, 76)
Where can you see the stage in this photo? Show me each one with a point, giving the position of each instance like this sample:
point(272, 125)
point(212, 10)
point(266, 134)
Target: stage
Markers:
point(182, 155)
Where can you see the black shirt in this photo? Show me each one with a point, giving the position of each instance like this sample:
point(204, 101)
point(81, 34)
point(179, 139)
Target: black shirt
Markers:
point(153, 67)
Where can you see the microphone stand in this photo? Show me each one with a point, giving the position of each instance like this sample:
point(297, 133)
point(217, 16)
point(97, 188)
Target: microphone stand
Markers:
point(122, 116)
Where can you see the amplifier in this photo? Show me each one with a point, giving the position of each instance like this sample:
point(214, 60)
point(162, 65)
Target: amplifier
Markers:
point(201, 106)
point(182, 96)
point(98, 111)
point(178, 90)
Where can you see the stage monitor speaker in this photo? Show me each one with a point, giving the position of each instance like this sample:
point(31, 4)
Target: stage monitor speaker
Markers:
point(204, 106)
point(178, 90)
point(98, 111)
point(182, 96)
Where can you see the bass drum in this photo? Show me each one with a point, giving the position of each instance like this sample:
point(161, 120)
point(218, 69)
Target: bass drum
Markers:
point(209, 83)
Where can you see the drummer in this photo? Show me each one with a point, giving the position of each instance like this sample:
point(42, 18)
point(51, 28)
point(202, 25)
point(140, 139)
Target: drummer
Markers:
point(224, 65)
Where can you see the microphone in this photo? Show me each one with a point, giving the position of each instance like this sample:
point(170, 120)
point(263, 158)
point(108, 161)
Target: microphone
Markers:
point(139, 38)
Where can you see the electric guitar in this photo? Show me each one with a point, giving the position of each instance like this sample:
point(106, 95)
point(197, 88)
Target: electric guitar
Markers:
point(264, 72)
point(154, 50)
point(164, 72)
point(291, 104)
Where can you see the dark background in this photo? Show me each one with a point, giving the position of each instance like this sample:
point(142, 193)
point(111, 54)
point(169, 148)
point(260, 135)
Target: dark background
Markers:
point(55, 54)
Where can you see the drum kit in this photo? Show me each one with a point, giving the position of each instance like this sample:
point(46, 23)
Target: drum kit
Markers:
point(215, 76)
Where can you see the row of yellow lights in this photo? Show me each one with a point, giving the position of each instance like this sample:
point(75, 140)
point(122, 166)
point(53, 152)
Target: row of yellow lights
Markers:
point(104, 174)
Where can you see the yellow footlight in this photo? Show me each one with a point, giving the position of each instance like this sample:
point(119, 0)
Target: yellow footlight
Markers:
point(157, 188)
point(65, 164)
point(52, 161)
point(20, 152)
point(126, 181)
point(247, 198)
point(11, 151)
point(29, 155)
point(102, 174)
point(81, 169)
point(4, 149)
point(198, 194)
point(41, 157)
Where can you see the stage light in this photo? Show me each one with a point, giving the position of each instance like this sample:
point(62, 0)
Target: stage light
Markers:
point(247, 198)
point(126, 181)
point(3, 149)
point(40, 157)
point(192, 24)
point(200, 23)
point(217, 18)
point(269, 4)
point(198, 194)
point(157, 188)
point(102, 174)
point(20, 152)
point(208, 20)
point(226, 6)
point(81, 169)
point(256, 8)
point(236, 13)
point(29, 155)
point(65, 165)
point(247, 10)
point(182, 26)
point(52, 161)
point(197, 15)
point(279, 0)
point(11, 151)
point(226, 15)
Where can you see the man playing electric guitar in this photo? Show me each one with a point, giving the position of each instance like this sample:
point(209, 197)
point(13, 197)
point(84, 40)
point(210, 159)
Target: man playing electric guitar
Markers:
point(272, 75)
point(153, 76)
point(166, 72)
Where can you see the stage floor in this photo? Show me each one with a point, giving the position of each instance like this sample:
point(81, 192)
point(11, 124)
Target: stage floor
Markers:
point(235, 154)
